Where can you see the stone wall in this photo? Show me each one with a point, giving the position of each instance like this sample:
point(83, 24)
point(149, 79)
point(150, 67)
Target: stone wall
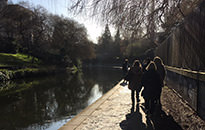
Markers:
point(183, 52)
point(190, 85)
point(185, 46)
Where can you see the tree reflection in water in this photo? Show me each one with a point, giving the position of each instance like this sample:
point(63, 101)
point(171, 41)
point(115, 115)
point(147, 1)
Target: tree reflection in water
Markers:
point(95, 94)
point(52, 100)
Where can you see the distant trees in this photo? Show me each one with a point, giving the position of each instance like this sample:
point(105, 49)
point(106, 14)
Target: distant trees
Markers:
point(105, 42)
point(51, 38)
point(117, 44)
point(15, 27)
point(112, 50)
point(106, 49)
point(139, 49)
point(69, 40)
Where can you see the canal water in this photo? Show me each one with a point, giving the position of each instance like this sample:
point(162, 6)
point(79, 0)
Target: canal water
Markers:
point(46, 103)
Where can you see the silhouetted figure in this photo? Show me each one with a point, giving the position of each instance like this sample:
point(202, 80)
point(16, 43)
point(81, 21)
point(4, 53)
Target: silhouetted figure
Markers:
point(162, 73)
point(125, 67)
point(134, 78)
point(136, 121)
point(145, 64)
point(152, 86)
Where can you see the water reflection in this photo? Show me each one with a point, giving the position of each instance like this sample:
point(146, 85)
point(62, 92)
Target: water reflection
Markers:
point(51, 101)
point(95, 94)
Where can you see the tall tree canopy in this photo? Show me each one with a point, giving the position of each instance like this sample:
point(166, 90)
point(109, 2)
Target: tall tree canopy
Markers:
point(51, 38)
point(105, 41)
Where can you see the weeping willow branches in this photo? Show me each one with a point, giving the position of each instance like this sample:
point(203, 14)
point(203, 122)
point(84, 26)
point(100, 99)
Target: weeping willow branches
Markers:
point(141, 17)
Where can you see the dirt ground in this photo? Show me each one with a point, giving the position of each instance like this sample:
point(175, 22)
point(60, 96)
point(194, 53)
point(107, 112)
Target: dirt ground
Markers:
point(181, 112)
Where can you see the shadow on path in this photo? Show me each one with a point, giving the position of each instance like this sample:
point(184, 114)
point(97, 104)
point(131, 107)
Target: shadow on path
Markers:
point(138, 120)
point(123, 84)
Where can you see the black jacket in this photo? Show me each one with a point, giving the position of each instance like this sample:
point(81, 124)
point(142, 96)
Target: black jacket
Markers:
point(152, 84)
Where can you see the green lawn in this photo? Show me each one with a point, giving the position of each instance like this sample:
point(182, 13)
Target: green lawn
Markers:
point(17, 60)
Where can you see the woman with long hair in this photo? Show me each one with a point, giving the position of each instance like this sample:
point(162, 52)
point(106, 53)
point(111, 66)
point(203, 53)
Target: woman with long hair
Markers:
point(152, 84)
point(135, 85)
point(161, 70)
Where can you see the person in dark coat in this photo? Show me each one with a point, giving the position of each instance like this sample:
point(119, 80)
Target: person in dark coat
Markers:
point(152, 85)
point(134, 77)
point(125, 67)
point(162, 73)
point(145, 64)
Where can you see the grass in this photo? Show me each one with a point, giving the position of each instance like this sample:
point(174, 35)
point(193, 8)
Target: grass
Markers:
point(16, 66)
point(17, 60)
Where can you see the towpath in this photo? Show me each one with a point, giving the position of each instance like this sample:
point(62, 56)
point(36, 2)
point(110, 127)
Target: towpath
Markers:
point(113, 112)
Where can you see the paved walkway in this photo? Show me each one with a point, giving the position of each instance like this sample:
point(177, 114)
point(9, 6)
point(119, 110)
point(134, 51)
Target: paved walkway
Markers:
point(113, 112)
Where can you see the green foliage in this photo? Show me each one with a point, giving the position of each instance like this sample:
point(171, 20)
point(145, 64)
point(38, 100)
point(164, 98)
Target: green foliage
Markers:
point(11, 88)
point(6, 74)
point(138, 48)
point(109, 50)
point(106, 47)
point(18, 59)
point(105, 41)
point(51, 38)
point(74, 69)
point(117, 37)
point(70, 37)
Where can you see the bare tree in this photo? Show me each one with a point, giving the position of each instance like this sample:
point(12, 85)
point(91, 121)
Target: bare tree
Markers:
point(144, 16)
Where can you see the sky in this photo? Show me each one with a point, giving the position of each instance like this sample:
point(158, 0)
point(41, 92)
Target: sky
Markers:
point(94, 29)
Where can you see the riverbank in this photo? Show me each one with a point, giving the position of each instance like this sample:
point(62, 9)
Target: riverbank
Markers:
point(113, 112)
point(8, 78)
point(6, 74)
point(17, 66)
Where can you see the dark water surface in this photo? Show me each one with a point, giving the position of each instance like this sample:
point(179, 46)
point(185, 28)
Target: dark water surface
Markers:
point(46, 103)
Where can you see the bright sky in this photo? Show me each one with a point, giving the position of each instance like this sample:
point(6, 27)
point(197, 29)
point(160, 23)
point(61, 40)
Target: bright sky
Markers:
point(60, 7)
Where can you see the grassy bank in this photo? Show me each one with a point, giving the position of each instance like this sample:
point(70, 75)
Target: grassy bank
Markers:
point(16, 66)
point(18, 60)
point(27, 72)
point(13, 66)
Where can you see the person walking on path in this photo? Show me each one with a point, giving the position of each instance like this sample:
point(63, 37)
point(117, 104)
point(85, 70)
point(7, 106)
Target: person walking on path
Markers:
point(145, 63)
point(125, 67)
point(134, 77)
point(152, 85)
point(162, 73)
